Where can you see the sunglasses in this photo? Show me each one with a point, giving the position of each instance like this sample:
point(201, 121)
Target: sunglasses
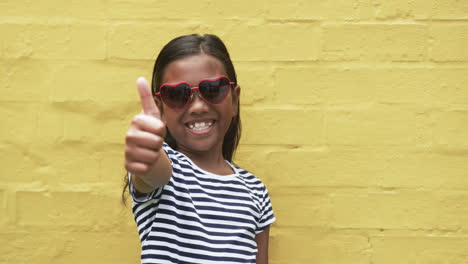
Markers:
point(212, 91)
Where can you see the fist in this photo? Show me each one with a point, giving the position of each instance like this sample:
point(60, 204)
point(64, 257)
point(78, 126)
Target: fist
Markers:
point(144, 138)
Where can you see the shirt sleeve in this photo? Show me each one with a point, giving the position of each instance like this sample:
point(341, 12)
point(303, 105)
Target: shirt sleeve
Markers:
point(140, 199)
point(145, 207)
point(267, 216)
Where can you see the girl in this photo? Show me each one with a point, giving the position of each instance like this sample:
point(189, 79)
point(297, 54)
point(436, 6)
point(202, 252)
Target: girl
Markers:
point(190, 203)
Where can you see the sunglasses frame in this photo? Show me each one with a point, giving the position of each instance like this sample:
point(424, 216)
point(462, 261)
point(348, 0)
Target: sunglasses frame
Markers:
point(190, 98)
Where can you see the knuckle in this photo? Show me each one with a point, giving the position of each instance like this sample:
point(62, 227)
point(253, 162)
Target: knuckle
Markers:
point(128, 151)
point(138, 119)
point(158, 142)
point(137, 170)
point(160, 124)
point(130, 136)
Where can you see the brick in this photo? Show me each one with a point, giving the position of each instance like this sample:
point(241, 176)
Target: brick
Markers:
point(3, 208)
point(362, 84)
point(253, 159)
point(256, 83)
point(54, 41)
point(311, 246)
point(74, 41)
point(447, 86)
point(101, 126)
point(245, 42)
point(239, 9)
point(433, 86)
point(119, 84)
point(413, 169)
point(19, 75)
point(76, 120)
point(318, 167)
point(378, 126)
point(282, 126)
point(69, 247)
point(400, 209)
point(273, 41)
point(112, 164)
point(3, 75)
point(303, 168)
point(321, 10)
point(54, 8)
point(107, 123)
point(38, 250)
point(421, 9)
point(442, 9)
point(64, 122)
point(450, 42)
point(51, 123)
point(147, 9)
point(450, 128)
point(67, 162)
point(144, 40)
point(301, 208)
point(16, 41)
point(66, 208)
point(18, 112)
point(374, 42)
point(92, 246)
point(424, 249)
point(400, 9)
point(299, 85)
point(363, 167)
point(108, 132)
point(19, 162)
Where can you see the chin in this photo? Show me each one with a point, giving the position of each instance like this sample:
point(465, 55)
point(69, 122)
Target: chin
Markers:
point(202, 146)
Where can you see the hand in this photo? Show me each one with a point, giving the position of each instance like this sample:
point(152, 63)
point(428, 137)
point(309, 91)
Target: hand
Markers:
point(144, 138)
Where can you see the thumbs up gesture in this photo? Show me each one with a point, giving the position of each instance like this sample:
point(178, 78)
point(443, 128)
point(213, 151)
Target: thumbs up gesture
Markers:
point(144, 155)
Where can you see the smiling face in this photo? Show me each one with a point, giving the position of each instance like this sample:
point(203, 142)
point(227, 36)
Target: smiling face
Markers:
point(199, 127)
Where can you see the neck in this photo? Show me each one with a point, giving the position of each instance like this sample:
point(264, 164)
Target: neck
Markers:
point(211, 161)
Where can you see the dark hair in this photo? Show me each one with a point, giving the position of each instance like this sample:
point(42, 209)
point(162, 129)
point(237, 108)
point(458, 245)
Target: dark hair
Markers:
point(190, 45)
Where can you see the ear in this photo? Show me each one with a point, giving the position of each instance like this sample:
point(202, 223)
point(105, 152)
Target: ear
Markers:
point(235, 100)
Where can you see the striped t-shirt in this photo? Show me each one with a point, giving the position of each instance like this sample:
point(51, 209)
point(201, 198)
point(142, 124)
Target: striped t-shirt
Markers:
point(201, 217)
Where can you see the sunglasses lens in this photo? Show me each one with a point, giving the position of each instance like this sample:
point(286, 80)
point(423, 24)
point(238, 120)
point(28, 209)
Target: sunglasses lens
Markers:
point(175, 96)
point(214, 91)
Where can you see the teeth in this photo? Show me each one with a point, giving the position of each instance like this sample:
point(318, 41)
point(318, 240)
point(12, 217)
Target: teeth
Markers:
point(201, 125)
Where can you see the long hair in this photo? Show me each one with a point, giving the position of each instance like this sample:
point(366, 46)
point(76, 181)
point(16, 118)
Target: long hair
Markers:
point(189, 45)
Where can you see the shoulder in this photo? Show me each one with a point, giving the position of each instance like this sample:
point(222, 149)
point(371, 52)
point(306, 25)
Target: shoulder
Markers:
point(252, 181)
point(176, 158)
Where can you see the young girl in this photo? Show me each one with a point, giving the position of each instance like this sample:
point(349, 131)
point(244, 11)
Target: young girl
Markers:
point(190, 202)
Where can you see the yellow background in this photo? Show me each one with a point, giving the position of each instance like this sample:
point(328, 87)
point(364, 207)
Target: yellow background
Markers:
point(355, 116)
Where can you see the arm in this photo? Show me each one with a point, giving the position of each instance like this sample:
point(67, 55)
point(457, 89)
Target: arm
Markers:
point(262, 240)
point(159, 175)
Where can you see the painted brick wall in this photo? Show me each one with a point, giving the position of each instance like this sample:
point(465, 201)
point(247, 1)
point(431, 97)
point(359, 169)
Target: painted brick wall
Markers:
point(355, 115)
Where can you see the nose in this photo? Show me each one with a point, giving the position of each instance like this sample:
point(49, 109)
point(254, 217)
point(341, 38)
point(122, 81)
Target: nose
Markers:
point(197, 104)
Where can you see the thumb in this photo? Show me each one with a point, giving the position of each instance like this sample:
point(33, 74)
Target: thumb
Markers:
point(146, 98)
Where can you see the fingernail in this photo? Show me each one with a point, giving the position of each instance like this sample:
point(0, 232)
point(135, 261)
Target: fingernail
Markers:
point(141, 80)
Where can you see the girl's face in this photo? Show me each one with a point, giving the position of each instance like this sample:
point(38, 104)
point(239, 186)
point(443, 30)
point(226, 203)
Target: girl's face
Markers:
point(200, 126)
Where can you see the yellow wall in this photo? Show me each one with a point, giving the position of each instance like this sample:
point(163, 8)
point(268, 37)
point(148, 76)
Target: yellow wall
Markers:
point(355, 115)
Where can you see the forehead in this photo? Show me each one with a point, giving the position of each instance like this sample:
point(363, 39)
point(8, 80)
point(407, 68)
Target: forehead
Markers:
point(192, 69)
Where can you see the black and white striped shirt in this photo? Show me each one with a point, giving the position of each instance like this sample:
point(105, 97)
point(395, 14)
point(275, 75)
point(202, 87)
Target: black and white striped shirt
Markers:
point(201, 217)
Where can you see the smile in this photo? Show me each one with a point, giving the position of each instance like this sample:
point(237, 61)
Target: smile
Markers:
point(199, 126)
